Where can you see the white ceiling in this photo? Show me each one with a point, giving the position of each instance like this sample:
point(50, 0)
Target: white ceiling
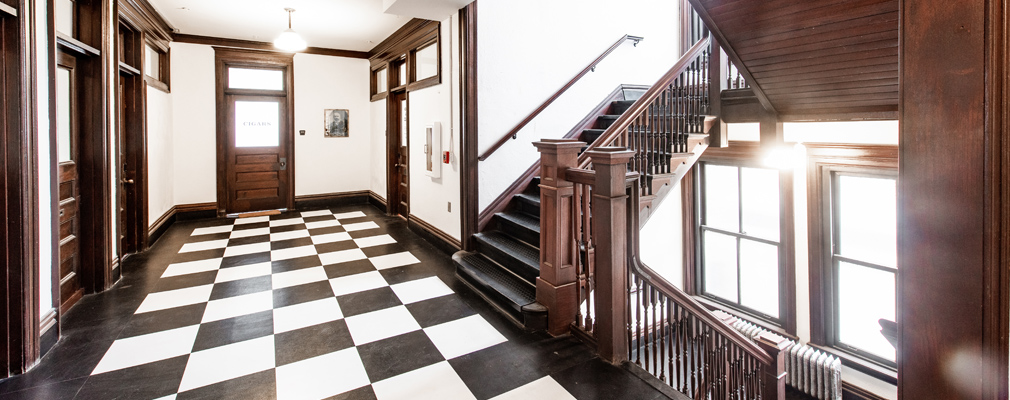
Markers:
point(339, 24)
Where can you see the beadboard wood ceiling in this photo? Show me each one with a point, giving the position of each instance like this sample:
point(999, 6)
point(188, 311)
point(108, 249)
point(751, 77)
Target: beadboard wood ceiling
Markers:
point(814, 57)
point(337, 24)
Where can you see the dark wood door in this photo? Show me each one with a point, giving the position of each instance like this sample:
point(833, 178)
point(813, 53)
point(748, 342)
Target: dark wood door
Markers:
point(257, 153)
point(399, 196)
point(71, 289)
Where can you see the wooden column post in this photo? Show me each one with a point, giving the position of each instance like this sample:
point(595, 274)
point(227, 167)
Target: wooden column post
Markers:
point(610, 234)
point(773, 376)
point(556, 285)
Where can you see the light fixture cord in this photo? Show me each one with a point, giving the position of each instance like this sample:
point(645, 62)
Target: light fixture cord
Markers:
point(289, 19)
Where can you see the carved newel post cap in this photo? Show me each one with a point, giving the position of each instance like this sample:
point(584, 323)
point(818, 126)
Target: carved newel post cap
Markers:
point(558, 144)
point(610, 155)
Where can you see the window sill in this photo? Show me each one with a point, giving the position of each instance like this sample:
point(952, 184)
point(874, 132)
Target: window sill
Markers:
point(883, 373)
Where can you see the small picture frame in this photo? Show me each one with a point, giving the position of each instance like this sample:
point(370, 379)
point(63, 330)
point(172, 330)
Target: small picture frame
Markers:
point(335, 123)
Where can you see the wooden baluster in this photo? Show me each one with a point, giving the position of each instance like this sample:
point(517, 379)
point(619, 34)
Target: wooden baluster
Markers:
point(557, 284)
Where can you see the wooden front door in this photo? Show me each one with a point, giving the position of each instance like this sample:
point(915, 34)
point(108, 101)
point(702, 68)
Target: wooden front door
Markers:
point(67, 139)
point(398, 148)
point(255, 131)
point(257, 153)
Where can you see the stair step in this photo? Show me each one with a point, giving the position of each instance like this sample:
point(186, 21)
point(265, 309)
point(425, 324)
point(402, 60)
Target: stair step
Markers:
point(620, 106)
point(519, 257)
point(503, 289)
point(528, 202)
point(634, 94)
point(520, 225)
point(605, 121)
point(590, 135)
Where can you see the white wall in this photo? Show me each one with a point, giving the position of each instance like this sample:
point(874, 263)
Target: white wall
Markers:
point(160, 154)
point(45, 163)
point(529, 49)
point(322, 165)
point(331, 165)
point(431, 197)
point(194, 113)
point(662, 238)
point(377, 147)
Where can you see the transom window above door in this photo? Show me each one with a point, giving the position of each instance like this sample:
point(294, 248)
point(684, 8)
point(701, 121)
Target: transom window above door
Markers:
point(255, 79)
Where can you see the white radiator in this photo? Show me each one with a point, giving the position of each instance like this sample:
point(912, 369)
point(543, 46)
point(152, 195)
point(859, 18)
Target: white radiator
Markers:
point(808, 370)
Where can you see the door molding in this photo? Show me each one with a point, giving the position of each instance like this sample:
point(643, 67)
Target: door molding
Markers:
point(225, 57)
point(394, 118)
point(131, 134)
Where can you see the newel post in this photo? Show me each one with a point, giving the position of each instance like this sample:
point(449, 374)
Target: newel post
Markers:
point(557, 284)
point(610, 235)
point(773, 377)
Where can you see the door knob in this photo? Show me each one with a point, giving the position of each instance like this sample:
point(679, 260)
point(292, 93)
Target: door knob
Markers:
point(128, 181)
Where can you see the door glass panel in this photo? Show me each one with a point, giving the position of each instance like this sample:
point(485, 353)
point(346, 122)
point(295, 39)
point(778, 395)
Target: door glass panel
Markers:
point(152, 66)
point(64, 141)
point(867, 219)
point(380, 80)
point(720, 265)
point(257, 123)
point(65, 17)
point(759, 276)
point(403, 122)
point(760, 208)
point(258, 79)
point(864, 296)
point(427, 62)
point(722, 199)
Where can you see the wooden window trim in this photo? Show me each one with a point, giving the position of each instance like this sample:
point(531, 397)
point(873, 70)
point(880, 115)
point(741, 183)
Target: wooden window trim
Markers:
point(163, 82)
point(412, 66)
point(401, 47)
point(746, 154)
point(374, 83)
point(822, 160)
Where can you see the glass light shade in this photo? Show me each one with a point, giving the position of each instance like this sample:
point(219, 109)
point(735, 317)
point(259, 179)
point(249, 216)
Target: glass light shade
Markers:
point(290, 41)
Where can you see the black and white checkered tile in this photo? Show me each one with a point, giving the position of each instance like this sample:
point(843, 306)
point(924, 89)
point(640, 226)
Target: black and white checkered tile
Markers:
point(296, 306)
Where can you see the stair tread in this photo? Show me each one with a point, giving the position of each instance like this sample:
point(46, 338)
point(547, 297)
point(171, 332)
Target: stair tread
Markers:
point(529, 197)
point(522, 251)
point(491, 276)
point(522, 219)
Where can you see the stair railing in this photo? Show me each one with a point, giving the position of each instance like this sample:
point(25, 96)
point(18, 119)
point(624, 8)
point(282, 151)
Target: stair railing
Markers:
point(657, 126)
point(514, 132)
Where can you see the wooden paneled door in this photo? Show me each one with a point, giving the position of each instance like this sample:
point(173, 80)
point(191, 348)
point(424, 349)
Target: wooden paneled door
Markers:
point(257, 153)
point(255, 132)
point(67, 140)
point(397, 155)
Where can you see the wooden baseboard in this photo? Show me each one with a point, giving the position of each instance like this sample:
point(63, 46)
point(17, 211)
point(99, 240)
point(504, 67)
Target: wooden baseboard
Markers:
point(377, 201)
point(181, 212)
point(443, 241)
point(326, 200)
point(49, 331)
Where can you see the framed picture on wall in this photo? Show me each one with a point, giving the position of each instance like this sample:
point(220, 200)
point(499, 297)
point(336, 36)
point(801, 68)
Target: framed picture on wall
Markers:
point(335, 123)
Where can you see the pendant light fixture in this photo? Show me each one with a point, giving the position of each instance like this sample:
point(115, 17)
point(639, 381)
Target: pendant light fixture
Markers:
point(289, 40)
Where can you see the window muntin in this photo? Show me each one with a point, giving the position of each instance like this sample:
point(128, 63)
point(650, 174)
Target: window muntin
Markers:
point(255, 79)
point(863, 261)
point(739, 231)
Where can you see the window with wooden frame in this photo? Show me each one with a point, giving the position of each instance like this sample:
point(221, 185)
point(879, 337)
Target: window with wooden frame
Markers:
point(410, 59)
point(157, 65)
point(853, 253)
point(743, 236)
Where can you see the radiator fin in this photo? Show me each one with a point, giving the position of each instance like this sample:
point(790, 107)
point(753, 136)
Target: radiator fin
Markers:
point(808, 370)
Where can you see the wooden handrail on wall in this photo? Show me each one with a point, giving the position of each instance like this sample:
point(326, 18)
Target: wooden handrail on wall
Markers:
point(512, 134)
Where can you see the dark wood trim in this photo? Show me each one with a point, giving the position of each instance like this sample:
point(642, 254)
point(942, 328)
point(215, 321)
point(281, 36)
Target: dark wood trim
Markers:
point(54, 182)
point(850, 360)
point(223, 57)
point(162, 86)
point(181, 212)
point(443, 241)
point(326, 200)
point(20, 263)
point(130, 132)
point(143, 16)
point(411, 35)
point(10, 11)
point(853, 392)
point(689, 219)
point(749, 153)
point(254, 45)
point(511, 134)
point(76, 46)
point(469, 194)
point(377, 201)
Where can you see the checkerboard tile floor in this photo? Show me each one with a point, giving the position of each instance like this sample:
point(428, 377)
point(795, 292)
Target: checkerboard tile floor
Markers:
point(298, 304)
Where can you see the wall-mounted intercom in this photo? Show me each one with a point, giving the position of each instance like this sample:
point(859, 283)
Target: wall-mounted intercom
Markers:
point(433, 150)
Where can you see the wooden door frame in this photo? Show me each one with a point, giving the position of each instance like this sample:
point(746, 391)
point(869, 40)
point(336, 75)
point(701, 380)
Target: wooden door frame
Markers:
point(469, 194)
point(225, 57)
point(394, 117)
point(20, 322)
point(132, 135)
